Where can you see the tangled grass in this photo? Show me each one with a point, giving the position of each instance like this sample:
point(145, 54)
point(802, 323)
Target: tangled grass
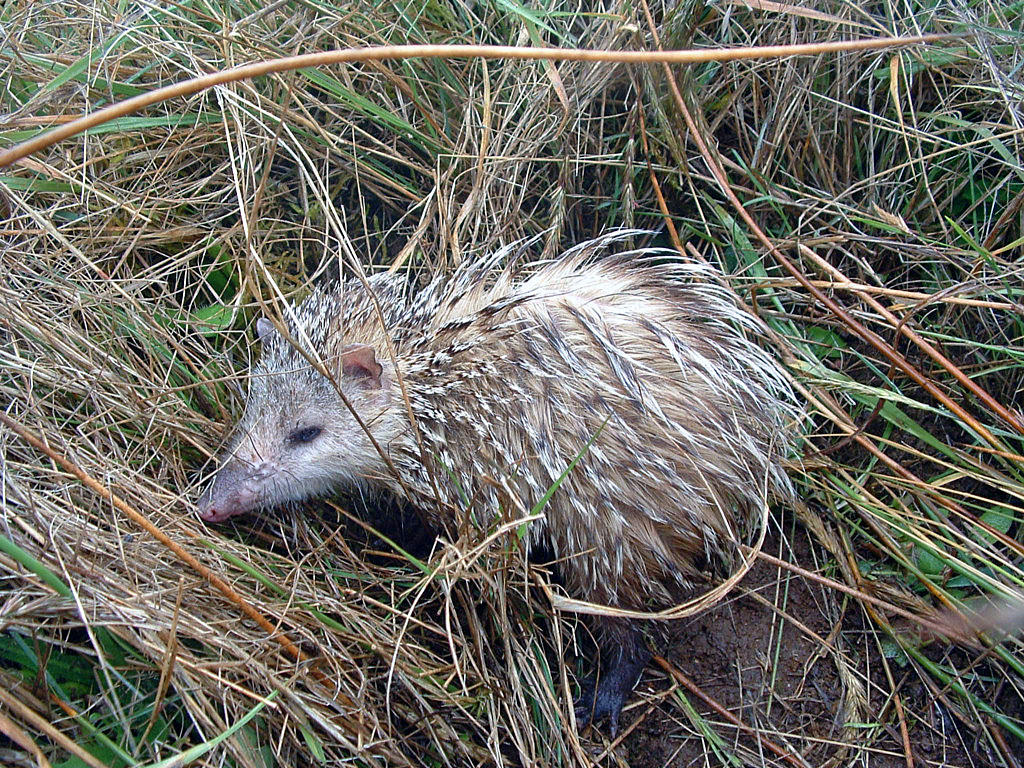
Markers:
point(136, 258)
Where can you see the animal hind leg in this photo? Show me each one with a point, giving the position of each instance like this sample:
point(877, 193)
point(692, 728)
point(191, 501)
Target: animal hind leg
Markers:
point(623, 657)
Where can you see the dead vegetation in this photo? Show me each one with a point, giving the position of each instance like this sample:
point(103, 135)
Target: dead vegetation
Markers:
point(136, 258)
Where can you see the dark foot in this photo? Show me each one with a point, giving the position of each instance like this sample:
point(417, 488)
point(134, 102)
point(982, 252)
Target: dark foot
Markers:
point(607, 698)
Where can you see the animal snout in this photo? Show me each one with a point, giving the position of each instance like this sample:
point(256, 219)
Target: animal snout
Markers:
point(235, 491)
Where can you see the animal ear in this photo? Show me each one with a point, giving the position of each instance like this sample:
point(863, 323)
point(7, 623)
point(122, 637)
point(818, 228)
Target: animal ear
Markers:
point(264, 327)
point(359, 362)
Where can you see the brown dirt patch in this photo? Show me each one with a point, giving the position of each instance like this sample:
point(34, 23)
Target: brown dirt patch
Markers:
point(784, 684)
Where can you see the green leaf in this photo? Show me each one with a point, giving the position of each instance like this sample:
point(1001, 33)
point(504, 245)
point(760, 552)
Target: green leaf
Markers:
point(214, 319)
point(530, 17)
point(892, 651)
point(316, 747)
point(572, 465)
point(128, 125)
point(998, 518)
point(928, 562)
point(37, 184)
point(77, 70)
point(829, 344)
point(196, 752)
point(30, 563)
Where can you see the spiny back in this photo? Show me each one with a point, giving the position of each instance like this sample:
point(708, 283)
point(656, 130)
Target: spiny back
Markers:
point(509, 380)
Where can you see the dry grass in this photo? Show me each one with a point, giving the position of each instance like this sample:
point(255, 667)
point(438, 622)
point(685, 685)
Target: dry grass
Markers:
point(135, 259)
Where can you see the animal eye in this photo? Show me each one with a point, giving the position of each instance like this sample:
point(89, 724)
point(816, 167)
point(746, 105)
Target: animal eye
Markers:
point(304, 435)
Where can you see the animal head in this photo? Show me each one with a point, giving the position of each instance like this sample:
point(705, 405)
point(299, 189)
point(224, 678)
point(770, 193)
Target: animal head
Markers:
point(300, 436)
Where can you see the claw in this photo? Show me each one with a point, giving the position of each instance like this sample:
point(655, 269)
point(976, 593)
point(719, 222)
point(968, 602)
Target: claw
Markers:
point(607, 697)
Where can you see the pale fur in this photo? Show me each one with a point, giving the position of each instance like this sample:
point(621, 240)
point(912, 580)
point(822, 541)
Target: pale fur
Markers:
point(510, 372)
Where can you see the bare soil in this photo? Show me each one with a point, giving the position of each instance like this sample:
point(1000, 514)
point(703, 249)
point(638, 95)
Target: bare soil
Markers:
point(784, 686)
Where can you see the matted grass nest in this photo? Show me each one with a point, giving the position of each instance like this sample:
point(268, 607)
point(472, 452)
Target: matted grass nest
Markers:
point(135, 260)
